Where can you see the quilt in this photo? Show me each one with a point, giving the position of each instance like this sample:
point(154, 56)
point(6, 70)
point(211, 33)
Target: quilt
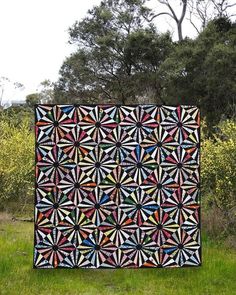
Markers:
point(117, 186)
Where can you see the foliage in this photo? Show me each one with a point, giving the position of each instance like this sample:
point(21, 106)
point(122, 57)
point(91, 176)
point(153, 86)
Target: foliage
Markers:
point(32, 99)
point(45, 94)
point(15, 115)
point(202, 71)
point(218, 172)
point(46, 91)
point(121, 58)
point(16, 161)
point(118, 58)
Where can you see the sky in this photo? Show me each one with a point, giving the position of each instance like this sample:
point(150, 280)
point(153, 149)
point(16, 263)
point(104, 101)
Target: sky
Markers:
point(34, 36)
point(34, 39)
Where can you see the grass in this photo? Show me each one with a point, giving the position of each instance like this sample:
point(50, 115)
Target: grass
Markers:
point(217, 275)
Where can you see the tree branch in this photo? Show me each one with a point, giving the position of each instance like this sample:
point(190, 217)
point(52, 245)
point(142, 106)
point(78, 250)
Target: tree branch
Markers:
point(192, 23)
point(183, 10)
point(174, 16)
point(230, 5)
point(158, 14)
point(171, 9)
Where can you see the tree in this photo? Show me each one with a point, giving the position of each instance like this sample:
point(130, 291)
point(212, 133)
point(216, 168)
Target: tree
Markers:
point(202, 71)
point(46, 91)
point(204, 11)
point(222, 8)
point(173, 15)
point(32, 99)
point(122, 59)
point(45, 94)
point(197, 12)
point(118, 58)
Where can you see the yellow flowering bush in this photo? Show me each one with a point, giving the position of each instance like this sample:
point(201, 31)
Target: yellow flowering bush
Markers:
point(218, 172)
point(16, 163)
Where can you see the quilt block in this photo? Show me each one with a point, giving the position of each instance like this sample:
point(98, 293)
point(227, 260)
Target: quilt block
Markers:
point(117, 186)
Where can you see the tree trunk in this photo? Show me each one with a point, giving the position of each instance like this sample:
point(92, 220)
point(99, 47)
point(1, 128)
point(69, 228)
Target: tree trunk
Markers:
point(180, 34)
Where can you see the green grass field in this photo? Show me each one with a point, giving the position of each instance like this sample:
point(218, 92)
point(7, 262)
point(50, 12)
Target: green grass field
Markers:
point(217, 275)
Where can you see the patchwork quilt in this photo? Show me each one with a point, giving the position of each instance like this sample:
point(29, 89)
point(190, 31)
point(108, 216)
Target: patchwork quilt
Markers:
point(117, 186)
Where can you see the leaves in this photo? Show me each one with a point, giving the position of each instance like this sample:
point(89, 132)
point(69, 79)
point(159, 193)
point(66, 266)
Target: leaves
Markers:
point(218, 162)
point(118, 56)
point(202, 72)
point(16, 160)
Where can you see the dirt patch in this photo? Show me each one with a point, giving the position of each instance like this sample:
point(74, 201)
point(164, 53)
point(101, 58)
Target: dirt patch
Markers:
point(4, 216)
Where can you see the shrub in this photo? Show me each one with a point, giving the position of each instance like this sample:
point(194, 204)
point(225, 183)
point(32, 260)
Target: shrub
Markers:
point(218, 172)
point(16, 163)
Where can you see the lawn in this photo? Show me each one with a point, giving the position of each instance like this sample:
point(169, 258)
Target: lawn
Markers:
point(217, 275)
